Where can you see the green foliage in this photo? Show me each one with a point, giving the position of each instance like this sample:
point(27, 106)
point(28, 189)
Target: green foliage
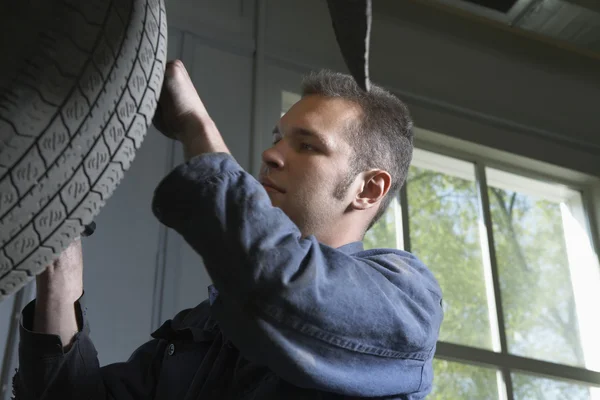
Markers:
point(529, 387)
point(537, 294)
point(455, 381)
point(383, 233)
point(444, 234)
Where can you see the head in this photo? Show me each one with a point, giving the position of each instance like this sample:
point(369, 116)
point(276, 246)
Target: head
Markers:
point(339, 156)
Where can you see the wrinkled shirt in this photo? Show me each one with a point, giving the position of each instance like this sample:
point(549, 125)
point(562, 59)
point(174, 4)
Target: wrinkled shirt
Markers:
point(287, 317)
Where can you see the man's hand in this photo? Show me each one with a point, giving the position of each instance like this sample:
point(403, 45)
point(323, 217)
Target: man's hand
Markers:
point(181, 114)
point(58, 288)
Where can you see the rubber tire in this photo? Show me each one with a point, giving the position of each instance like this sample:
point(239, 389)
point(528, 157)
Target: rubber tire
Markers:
point(79, 84)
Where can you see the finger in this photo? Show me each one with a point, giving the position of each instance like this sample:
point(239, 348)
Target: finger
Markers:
point(157, 118)
point(181, 66)
point(175, 67)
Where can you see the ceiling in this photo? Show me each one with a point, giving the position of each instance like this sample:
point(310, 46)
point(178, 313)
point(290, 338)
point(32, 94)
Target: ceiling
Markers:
point(575, 23)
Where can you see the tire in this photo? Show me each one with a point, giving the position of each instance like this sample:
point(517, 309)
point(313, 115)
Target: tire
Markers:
point(79, 84)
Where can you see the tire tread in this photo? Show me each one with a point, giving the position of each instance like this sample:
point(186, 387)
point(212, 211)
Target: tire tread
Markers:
point(67, 169)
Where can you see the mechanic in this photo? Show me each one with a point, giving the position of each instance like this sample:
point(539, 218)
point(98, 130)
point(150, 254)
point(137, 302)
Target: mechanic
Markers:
point(298, 309)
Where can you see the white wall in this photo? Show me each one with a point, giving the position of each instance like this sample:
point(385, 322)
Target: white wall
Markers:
point(459, 78)
point(223, 77)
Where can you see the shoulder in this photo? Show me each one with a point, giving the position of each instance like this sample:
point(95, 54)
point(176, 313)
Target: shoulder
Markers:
point(192, 317)
point(401, 267)
point(197, 321)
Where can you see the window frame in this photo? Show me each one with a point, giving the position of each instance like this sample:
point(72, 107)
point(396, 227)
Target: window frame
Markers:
point(482, 157)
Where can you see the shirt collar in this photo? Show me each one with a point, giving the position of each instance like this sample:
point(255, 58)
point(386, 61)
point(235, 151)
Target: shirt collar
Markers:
point(351, 248)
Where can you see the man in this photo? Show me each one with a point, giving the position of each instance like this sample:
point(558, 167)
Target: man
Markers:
point(298, 309)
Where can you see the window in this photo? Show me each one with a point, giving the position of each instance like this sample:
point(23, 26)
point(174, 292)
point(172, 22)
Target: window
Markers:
point(513, 254)
point(519, 276)
point(462, 381)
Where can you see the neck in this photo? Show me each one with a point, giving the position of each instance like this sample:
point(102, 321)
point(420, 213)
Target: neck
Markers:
point(343, 232)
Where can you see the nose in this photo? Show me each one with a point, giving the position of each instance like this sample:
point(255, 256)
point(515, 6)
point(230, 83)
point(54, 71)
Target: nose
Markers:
point(272, 158)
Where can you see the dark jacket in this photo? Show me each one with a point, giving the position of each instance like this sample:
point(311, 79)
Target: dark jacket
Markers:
point(287, 317)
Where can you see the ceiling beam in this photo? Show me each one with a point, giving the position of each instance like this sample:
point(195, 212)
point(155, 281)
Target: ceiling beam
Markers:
point(391, 8)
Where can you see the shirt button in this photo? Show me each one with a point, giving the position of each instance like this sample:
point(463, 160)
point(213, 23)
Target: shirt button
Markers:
point(171, 349)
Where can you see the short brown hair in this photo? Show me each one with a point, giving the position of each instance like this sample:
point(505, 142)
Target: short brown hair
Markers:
point(382, 138)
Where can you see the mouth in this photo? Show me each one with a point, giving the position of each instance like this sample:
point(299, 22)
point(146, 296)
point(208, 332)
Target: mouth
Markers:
point(270, 186)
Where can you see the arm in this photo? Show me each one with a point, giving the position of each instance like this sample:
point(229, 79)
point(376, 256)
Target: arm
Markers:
point(319, 317)
point(316, 316)
point(49, 371)
point(58, 288)
point(57, 358)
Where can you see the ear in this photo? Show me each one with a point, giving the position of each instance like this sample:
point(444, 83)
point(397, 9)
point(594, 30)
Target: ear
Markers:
point(374, 186)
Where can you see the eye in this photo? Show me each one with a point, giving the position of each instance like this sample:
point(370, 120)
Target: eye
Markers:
point(306, 146)
point(276, 138)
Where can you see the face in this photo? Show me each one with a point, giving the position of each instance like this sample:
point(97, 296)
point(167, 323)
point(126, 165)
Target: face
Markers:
point(309, 159)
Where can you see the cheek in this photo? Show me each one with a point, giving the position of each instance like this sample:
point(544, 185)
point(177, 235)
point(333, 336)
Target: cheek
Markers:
point(317, 185)
point(311, 177)
point(301, 172)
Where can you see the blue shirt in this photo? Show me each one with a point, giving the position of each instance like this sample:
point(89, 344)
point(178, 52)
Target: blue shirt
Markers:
point(288, 317)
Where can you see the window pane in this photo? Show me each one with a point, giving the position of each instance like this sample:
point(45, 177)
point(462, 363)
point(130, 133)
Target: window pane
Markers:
point(537, 290)
point(288, 99)
point(527, 387)
point(452, 380)
point(387, 232)
point(444, 231)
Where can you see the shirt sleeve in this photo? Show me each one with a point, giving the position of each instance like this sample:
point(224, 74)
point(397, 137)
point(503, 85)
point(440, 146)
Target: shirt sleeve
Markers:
point(47, 372)
point(316, 316)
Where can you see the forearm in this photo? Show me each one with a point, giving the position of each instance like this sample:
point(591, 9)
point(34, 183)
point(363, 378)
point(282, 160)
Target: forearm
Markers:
point(55, 316)
point(58, 288)
point(181, 114)
point(47, 371)
point(202, 137)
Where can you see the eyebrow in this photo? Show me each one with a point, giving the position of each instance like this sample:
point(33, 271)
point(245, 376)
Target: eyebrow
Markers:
point(304, 132)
